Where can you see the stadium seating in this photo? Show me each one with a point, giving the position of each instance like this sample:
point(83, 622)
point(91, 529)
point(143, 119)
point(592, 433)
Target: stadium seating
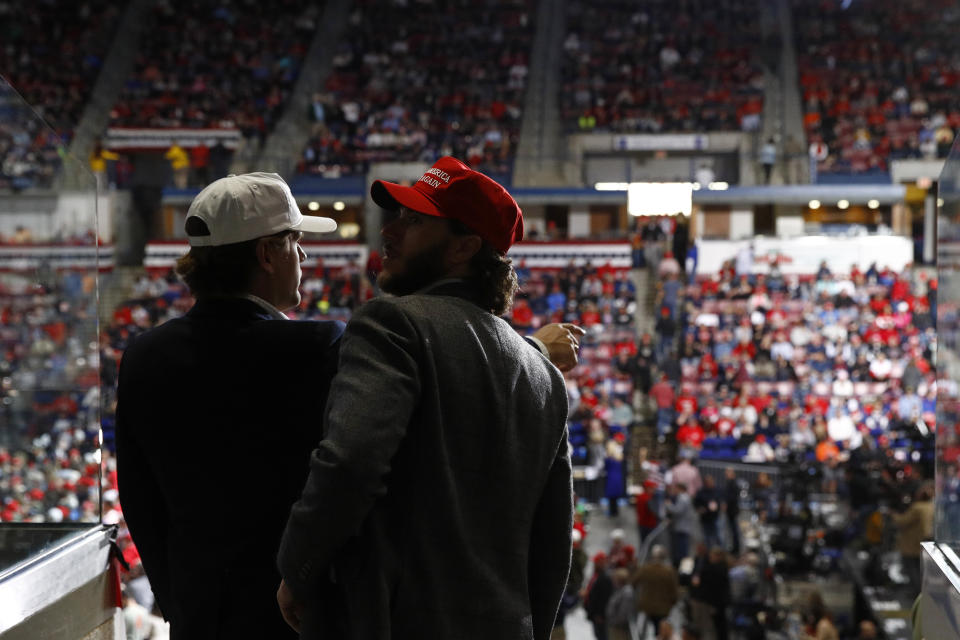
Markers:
point(49, 466)
point(661, 66)
point(213, 65)
point(801, 361)
point(450, 82)
point(51, 54)
point(877, 80)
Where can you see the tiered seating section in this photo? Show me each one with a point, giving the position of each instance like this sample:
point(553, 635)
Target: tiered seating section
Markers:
point(603, 301)
point(661, 66)
point(416, 82)
point(49, 468)
point(210, 64)
point(813, 367)
point(51, 54)
point(878, 79)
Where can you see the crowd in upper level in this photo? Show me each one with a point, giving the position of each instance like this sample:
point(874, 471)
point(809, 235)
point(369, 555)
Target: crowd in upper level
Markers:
point(878, 80)
point(210, 64)
point(51, 55)
point(416, 81)
point(451, 81)
point(661, 66)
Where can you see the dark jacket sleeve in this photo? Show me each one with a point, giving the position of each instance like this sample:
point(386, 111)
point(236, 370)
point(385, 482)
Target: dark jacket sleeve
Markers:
point(371, 401)
point(140, 496)
point(550, 543)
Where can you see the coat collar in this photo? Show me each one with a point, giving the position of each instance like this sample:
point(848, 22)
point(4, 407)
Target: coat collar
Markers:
point(235, 310)
point(454, 287)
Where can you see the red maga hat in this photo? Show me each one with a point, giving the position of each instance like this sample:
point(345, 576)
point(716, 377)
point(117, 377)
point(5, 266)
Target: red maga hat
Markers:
point(451, 189)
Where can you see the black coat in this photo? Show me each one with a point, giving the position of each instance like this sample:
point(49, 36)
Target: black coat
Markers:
point(714, 587)
point(440, 498)
point(218, 412)
point(597, 597)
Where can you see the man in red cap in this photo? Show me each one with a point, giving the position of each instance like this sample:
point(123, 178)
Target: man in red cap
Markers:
point(439, 501)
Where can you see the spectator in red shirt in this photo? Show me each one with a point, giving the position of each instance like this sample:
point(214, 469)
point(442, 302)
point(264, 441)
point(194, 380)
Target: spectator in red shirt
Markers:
point(647, 518)
point(690, 436)
point(710, 414)
point(707, 370)
point(745, 347)
point(590, 317)
point(686, 403)
point(522, 315)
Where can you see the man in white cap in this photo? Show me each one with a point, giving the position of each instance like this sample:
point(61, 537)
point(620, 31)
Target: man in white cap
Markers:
point(440, 499)
point(218, 411)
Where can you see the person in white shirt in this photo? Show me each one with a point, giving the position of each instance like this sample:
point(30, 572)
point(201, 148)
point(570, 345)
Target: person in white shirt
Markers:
point(881, 367)
point(760, 450)
point(801, 435)
point(842, 386)
point(841, 428)
point(800, 335)
point(782, 348)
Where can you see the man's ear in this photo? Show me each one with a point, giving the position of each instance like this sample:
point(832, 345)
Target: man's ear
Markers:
point(265, 257)
point(462, 248)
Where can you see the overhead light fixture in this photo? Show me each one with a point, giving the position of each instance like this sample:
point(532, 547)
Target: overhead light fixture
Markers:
point(843, 204)
point(718, 186)
point(939, 202)
point(873, 204)
point(339, 205)
point(814, 204)
point(313, 205)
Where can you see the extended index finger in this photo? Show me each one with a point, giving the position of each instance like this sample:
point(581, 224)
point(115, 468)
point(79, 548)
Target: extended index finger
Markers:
point(569, 326)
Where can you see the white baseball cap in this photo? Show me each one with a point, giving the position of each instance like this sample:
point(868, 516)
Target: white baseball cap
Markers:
point(248, 206)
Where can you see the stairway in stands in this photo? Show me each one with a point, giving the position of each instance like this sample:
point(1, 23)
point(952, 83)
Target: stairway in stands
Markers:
point(646, 290)
point(540, 152)
point(643, 435)
point(284, 146)
point(796, 167)
point(117, 67)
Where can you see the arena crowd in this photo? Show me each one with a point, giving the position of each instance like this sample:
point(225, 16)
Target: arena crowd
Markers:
point(877, 81)
point(451, 82)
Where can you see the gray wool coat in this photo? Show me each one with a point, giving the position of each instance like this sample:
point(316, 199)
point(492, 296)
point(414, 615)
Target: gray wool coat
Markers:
point(439, 503)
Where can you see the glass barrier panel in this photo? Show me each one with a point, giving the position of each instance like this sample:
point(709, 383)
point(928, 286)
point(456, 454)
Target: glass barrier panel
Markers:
point(51, 467)
point(946, 308)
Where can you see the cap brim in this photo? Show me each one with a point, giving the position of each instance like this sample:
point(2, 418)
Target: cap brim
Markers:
point(316, 224)
point(392, 196)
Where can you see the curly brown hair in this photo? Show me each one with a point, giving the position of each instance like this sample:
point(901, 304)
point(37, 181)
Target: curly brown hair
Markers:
point(493, 276)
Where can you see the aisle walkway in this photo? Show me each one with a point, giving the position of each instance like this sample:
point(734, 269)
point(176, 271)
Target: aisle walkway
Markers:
point(598, 539)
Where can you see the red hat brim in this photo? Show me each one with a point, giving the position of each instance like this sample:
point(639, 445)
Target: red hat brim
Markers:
point(392, 196)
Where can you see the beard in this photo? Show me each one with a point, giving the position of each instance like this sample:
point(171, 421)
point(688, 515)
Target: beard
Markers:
point(419, 271)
